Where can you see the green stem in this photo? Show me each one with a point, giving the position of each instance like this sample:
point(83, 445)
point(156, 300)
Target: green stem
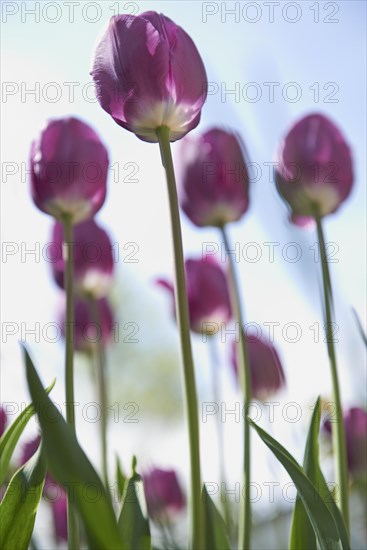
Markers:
point(73, 531)
point(244, 526)
point(338, 428)
point(196, 511)
point(100, 360)
point(216, 396)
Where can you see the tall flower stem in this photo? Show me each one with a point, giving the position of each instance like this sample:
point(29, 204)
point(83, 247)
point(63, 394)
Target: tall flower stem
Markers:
point(100, 361)
point(244, 528)
point(73, 530)
point(214, 359)
point(338, 428)
point(196, 509)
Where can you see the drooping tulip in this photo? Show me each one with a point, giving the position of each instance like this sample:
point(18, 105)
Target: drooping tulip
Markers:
point(355, 420)
point(315, 169)
point(69, 166)
point(208, 295)
point(148, 73)
point(267, 376)
point(163, 493)
point(92, 257)
point(86, 331)
point(214, 182)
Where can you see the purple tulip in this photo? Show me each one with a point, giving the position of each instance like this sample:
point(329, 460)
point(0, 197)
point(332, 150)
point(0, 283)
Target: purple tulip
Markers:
point(208, 295)
point(59, 514)
point(3, 420)
point(355, 420)
point(163, 493)
point(93, 259)
point(215, 180)
point(29, 449)
point(267, 376)
point(315, 169)
point(69, 166)
point(86, 331)
point(148, 73)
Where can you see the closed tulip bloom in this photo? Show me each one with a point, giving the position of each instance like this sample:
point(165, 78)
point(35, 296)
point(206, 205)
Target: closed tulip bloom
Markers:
point(163, 493)
point(214, 183)
point(355, 420)
point(87, 333)
point(267, 376)
point(208, 295)
point(315, 170)
point(69, 166)
point(148, 73)
point(92, 256)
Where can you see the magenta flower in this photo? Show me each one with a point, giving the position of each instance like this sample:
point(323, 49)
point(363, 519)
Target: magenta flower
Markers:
point(163, 493)
point(59, 514)
point(87, 332)
point(93, 259)
point(355, 420)
point(208, 295)
point(315, 168)
point(69, 166)
point(3, 420)
point(215, 180)
point(267, 376)
point(29, 448)
point(148, 73)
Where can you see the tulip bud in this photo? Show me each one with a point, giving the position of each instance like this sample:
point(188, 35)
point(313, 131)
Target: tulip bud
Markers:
point(163, 493)
point(69, 167)
point(148, 73)
point(208, 295)
point(355, 420)
point(315, 171)
point(267, 376)
point(215, 181)
point(92, 257)
point(86, 331)
point(3, 420)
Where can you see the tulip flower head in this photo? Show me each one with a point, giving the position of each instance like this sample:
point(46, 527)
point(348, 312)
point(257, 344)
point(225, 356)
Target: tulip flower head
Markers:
point(267, 376)
point(3, 420)
point(148, 73)
point(92, 257)
point(163, 493)
point(69, 166)
point(315, 169)
point(208, 295)
point(214, 182)
point(88, 332)
point(355, 420)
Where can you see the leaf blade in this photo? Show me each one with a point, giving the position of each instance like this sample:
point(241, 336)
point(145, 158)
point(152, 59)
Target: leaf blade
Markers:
point(70, 466)
point(19, 505)
point(321, 519)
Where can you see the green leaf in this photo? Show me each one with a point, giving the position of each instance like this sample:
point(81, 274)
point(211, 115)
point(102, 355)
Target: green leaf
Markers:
point(120, 479)
point(71, 468)
point(10, 438)
point(215, 529)
point(19, 506)
point(302, 534)
point(321, 519)
point(133, 523)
